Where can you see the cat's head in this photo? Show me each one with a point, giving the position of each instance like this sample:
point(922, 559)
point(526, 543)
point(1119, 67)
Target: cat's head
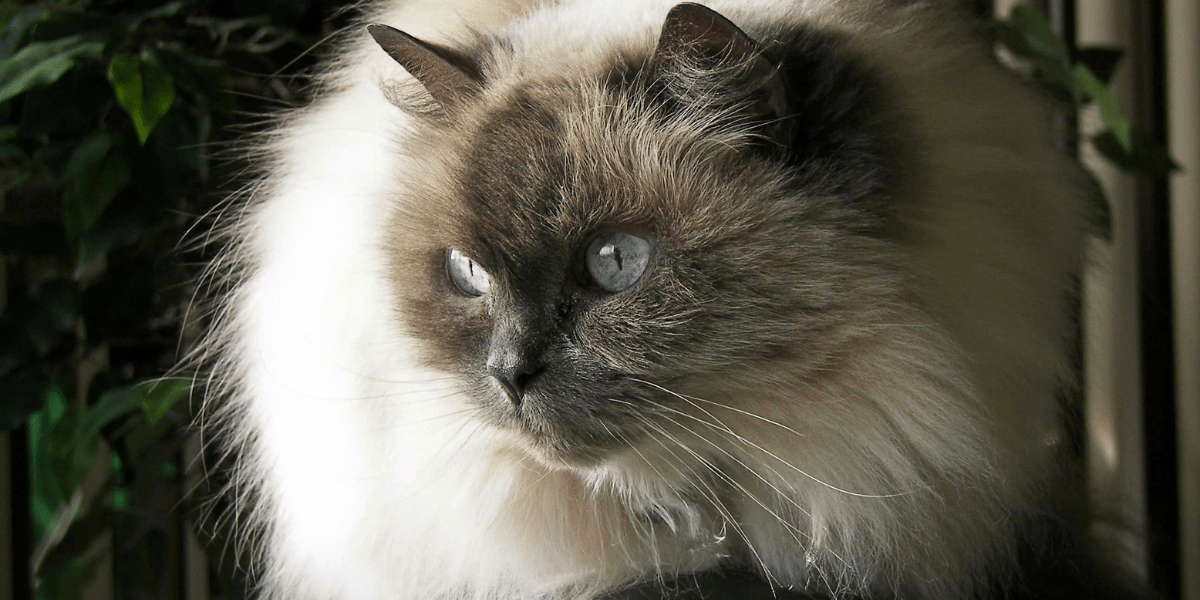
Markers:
point(595, 253)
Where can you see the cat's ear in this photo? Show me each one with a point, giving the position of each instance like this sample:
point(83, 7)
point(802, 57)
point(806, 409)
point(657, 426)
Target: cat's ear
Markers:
point(699, 45)
point(447, 75)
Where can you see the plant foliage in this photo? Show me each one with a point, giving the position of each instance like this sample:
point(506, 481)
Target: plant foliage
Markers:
point(110, 111)
point(1081, 78)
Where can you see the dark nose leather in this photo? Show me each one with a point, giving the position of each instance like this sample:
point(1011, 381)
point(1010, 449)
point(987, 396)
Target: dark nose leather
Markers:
point(515, 357)
point(514, 375)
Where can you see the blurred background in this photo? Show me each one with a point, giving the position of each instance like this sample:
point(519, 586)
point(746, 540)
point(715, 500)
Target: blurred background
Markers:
point(124, 123)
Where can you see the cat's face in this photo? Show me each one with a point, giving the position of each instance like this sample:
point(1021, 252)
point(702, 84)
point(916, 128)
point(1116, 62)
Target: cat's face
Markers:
point(589, 259)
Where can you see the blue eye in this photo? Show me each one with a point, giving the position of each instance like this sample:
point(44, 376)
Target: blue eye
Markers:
point(466, 274)
point(616, 260)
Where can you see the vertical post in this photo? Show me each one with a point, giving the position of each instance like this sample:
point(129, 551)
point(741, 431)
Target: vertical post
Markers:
point(7, 568)
point(195, 561)
point(1062, 18)
point(1112, 321)
point(7, 515)
point(1183, 79)
point(16, 521)
point(1158, 335)
point(22, 517)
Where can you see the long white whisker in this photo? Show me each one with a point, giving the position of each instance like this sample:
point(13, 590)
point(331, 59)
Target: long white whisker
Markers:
point(740, 462)
point(743, 440)
point(649, 536)
point(792, 528)
point(725, 406)
point(712, 495)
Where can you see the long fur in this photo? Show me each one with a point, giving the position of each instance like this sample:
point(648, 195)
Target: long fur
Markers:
point(912, 461)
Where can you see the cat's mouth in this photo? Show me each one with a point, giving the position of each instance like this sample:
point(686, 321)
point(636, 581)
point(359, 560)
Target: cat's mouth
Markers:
point(571, 445)
point(577, 419)
point(571, 430)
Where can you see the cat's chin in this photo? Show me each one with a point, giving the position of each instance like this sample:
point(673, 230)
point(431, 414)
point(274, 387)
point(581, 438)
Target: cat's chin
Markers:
point(558, 458)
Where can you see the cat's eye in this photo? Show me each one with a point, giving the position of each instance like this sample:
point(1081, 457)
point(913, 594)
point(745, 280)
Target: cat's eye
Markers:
point(616, 260)
point(466, 274)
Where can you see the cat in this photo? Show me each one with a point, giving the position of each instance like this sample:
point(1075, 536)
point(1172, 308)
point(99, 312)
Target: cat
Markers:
point(554, 300)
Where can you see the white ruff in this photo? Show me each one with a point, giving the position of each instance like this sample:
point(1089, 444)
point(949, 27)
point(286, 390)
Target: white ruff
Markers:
point(373, 480)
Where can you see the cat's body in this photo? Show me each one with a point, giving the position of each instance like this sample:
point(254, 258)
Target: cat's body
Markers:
point(838, 369)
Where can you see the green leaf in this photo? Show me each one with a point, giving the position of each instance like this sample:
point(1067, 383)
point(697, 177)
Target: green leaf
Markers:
point(42, 63)
point(1101, 60)
point(89, 194)
point(109, 233)
point(112, 405)
point(1143, 155)
point(120, 497)
point(207, 79)
point(81, 535)
point(146, 435)
point(71, 581)
point(170, 9)
point(21, 394)
point(144, 88)
point(161, 395)
point(1109, 110)
point(14, 30)
point(1057, 74)
point(91, 150)
point(74, 437)
point(1012, 38)
point(1038, 34)
point(12, 184)
point(69, 461)
point(45, 497)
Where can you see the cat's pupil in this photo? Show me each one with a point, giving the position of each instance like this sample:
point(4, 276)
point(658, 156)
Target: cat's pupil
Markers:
point(615, 252)
point(467, 276)
point(616, 260)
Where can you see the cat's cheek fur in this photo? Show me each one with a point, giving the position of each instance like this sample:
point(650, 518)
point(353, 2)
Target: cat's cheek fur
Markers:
point(371, 479)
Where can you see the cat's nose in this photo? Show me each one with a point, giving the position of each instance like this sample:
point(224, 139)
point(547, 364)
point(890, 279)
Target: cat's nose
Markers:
point(514, 376)
point(516, 353)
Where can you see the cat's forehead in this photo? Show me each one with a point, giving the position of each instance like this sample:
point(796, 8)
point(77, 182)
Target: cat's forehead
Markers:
point(547, 163)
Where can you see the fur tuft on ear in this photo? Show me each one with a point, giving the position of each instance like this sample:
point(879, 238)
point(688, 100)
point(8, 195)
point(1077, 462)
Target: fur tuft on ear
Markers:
point(447, 75)
point(713, 62)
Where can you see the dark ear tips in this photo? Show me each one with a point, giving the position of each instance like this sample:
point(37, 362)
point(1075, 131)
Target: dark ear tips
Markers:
point(447, 75)
point(692, 28)
point(695, 38)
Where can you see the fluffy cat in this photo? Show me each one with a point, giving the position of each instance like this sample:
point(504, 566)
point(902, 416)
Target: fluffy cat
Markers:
point(545, 300)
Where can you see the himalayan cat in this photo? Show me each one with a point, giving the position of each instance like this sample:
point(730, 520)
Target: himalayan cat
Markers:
point(568, 299)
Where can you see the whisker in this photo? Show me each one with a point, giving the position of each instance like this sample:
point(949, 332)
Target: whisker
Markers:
point(440, 471)
point(711, 496)
point(648, 536)
point(726, 453)
point(454, 413)
point(725, 406)
point(743, 440)
point(793, 530)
